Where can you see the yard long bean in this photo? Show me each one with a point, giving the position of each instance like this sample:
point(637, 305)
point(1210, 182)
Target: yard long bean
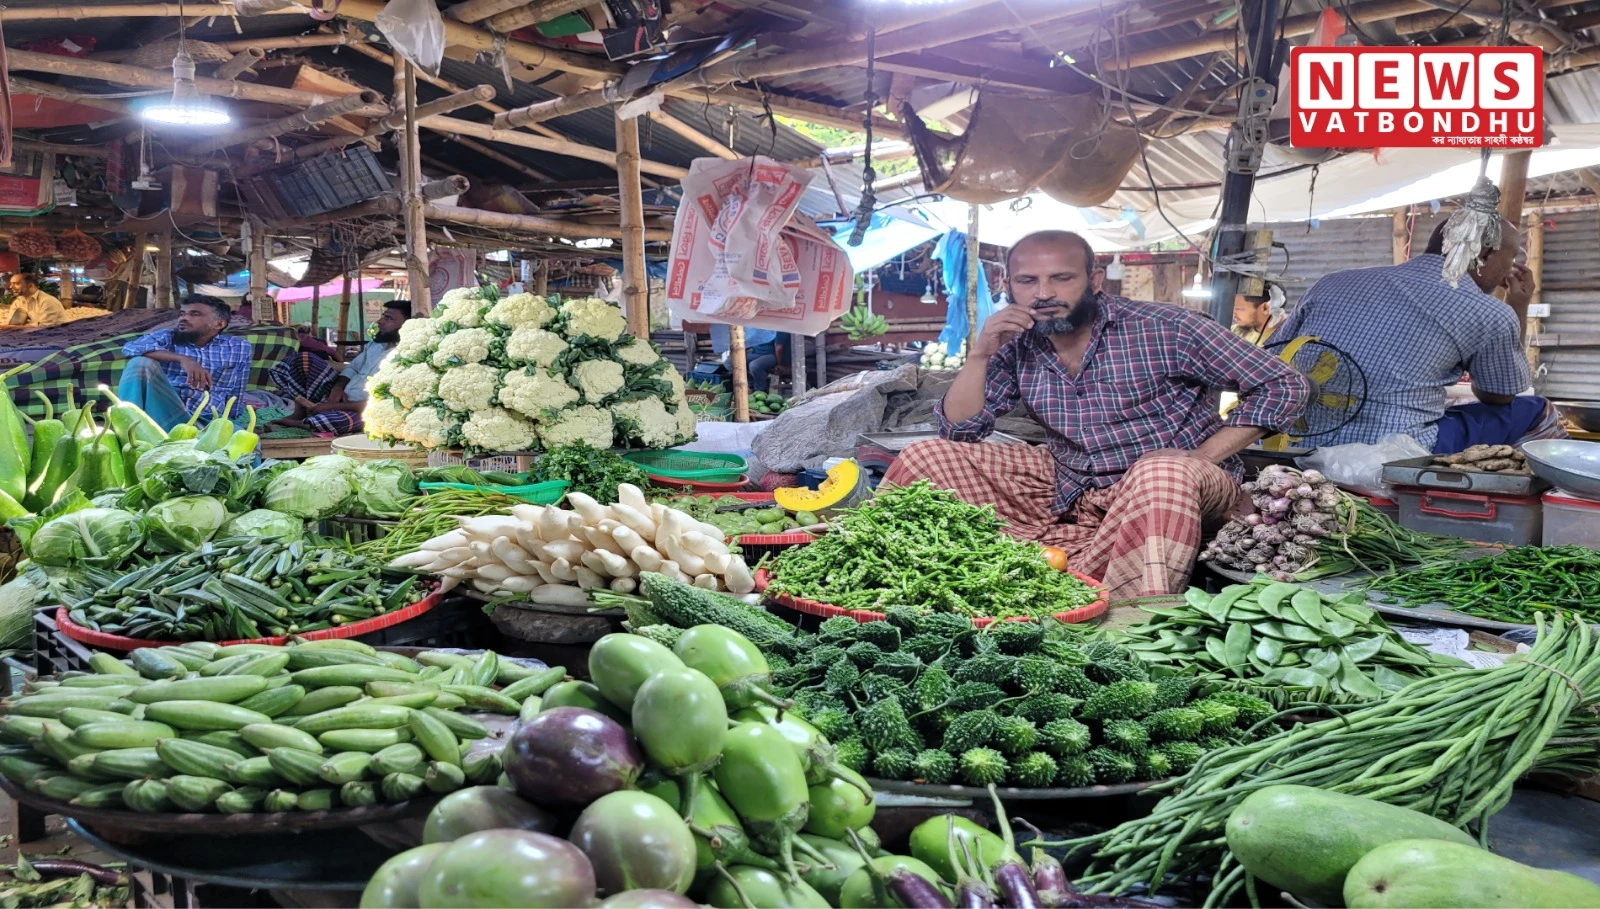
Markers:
point(1511, 587)
point(1449, 745)
point(438, 513)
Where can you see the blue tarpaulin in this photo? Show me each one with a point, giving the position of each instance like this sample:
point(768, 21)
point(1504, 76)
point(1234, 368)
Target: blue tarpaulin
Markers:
point(952, 251)
point(888, 236)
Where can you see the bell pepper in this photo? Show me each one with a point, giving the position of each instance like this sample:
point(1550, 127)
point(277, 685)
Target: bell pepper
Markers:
point(244, 441)
point(46, 433)
point(131, 423)
point(185, 431)
point(100, 463)
point(13, 444)
point(217, 433)
point(63, 465)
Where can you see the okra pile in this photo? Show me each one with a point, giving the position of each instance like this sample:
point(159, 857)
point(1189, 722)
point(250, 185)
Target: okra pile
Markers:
point(238, 589)
point(255, 728)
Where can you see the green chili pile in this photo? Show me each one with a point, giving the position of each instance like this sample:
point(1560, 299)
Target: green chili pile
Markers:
point(1449, 745)
point(922, 547)
point(1511, 587)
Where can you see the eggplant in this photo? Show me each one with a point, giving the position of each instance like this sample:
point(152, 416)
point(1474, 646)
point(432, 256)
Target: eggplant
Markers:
point(815, 752)
point(744, 887)
point(635, 841)
point(569, 756)
point(837, 805)
point(719, 837)
point(1011, 876)
point(764, 782)
point(931, 842)
point(828, 878)
point(974, 889)
point(732, 662)
point(619, 663)
point(1050, 880)
point(681, 722)
point(891, 882)
point(580, 694)
point(648, 899)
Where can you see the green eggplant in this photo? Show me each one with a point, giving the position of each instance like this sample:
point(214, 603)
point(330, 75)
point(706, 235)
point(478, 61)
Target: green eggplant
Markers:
point(681, 723)
point(13, 445)
point(10, 508)
point(130, 423)
point(62, 467)
point(186, 431)
point(217, 433)
point(732, 662)
point(763, 780)
point(719, 837)
point(46, 433)
point(745, 887)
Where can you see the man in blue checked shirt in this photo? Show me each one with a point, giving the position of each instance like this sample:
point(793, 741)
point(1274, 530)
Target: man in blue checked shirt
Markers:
point(1413, 335)
point(170, 369)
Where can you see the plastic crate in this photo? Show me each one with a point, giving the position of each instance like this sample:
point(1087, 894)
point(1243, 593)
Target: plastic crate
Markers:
point(712, 467)
point(347, 177)
point(353, 530)
point(1479, 516)
point(54, 652)
point(1570, 520)
point(505, 463)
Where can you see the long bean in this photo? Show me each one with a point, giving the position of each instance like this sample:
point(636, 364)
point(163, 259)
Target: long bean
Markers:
point(1449, 745)
point(438, 513)
point(1510, 587)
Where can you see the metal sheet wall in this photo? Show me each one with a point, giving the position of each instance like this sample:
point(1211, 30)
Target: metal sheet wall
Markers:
point(1332, 246)
point(1571, 283)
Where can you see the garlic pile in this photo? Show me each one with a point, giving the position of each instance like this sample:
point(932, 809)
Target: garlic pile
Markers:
point(1293, 511)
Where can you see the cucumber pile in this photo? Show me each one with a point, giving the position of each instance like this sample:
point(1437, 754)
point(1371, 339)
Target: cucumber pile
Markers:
point(750, 517)
point(254, 728)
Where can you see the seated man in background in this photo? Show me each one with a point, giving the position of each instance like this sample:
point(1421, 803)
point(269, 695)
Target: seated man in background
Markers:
point(330, 399)
point(1413, 335)
point(170, 369)
point(1137, 458)
point(761, 352)
point(30, 306)
point(1256, 318)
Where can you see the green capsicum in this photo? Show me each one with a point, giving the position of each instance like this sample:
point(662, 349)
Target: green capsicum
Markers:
point(46, 433)
point(217, 433)
point(131, 423)
point(244, 441)
point(63, 465)
point(185, 431)
point(100, 463)
point(13, 444)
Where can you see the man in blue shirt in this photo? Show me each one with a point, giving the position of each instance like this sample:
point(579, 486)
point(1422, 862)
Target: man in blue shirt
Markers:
point(170, 369)
point(760, 352)
point(1413, 336)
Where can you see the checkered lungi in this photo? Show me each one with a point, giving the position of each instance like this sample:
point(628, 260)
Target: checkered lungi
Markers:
point(309, 376)
point(1139, 536)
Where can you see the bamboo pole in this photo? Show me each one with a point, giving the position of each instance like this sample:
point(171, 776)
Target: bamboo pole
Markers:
point(541, 284)
point(139, 77)
point(973, 266)
point(558, 107)
point(693, 136)
point(316, 308)
point(344, 310)
point(58, 148)
point(466, 98)
point(478, 10)
point(741, 374)
point(535, 224)
point(313, 116)
point(242, 61)
point(1401, 234)
point(536, 13)
point(1293, 27)
point(459, 34)
point(411, 192)
point(1514, 184)
point(21, 86)
point(129, 11)
point(1535, 324)
point(636, 286)
point(502, 158)
point(797, 364)
point(375, 53)
point(553, 146)
point(261, 304)
point(453, 185)
point(163, 288)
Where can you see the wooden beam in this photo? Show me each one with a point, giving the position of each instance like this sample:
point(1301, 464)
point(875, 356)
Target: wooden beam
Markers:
point(460, 34)
point(1401, 236)
point(261, 304)
point(1293, 27)
point(58, 148)
point(535, 224)
point(691, 135)
point(447, 85)
point(931, 65)
point(313, 116)
point(243, 60)
point(559, 147)
point(478, 10)
point(536, 13)
point(414, 206)
point(557, 107)
point(21, 86)
point(1535, 324)
point(139, 77)
point(739, 367)
point(445, 105)
point(1514, 184)
point(749, 99)
point(636, 286)
point(130, 11)
point(501, 157)
point(163, 288)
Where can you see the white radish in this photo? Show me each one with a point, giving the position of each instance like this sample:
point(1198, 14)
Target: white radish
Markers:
point(416, 559)
point(701, 545)
point(563, 570)
point(565, 550)
point(448, 584)
point(633, 497)
point(459, 573)
point(591, 511)
point(671, 570)
point(528, 539)
point(558, 595)
point(623, 585)
point(602, 539)
point(495, 572)
point(738, 577)
point(490, 526)
point(520, 584)
point(637, 522)
point(545, 574)
point(614, 565)
point(552, 524)
point(456, 554)
point(626, 539)
point(689, 563)
point(480, 548)
point(527, 513)
point(445, 541)
point(646, 558)
point(591, 561)
point(483, 585)
point(588, 580)
point(717, 562)
point(706, 581)
point(658, 512)
point(670, 526)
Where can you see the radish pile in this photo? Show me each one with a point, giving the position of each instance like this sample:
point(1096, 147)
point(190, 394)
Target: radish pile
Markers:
point(555, 555)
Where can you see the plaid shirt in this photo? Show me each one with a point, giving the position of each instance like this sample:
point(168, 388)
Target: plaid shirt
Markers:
point(227, 359)
point(1413, 336)
point(1151, 379)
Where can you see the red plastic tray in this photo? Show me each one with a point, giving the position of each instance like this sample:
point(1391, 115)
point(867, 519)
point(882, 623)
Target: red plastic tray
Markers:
point(698, 486)
point(811, 607)
point(105, 641)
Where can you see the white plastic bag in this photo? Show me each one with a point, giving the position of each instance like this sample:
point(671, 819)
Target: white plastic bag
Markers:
point(416, 30)
point(1359, 467)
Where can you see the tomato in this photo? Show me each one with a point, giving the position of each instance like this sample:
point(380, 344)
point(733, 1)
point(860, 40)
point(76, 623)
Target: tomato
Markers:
point(1056, 557)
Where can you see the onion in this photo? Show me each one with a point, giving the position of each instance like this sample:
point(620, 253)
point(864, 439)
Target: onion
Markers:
point(1279, 506)
point(1305, 506)
point(1313, 477)
point(1252, 519)
point(1270, 519)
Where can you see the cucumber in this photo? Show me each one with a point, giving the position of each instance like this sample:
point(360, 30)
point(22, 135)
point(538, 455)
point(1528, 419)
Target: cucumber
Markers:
point(299, 768)
point(106, 795)
point(400, 661)
point(56, 741)
point(324, 699)
point(226, 738)
point(369, 741)
point(318, 800)
point(206, 649)
point(19, 769)
point(23, 729)
point(196, 793)
point(220, 689)
point(337, 644)
point(400, 787)
point(233, 650)
point(243, 800)
point(131, 764)
point(152, 664)
point(204, 715)
point(302, 658)
point(444, 660)
point(400, 758)
point(267, 736)
point(265, 665)
point(64, 788)
point(415, 701)
point(485, 669)
point(196, 758)
point(274, 702)
point(329, 676)
point(82, 767)
point(444, 777)
point(50, 705)
point(280, 800)
point(191, 660)
point(356, 716)
point(223, 665)
point(435, 738)
point(345, 767)
point(535, 683)
point(256, 771)
point(464, 727)
point(82, 682)
point(483, 768)
point(484, 699)
point(73, 717)
point(358, 794)
point(131, 734)
point(148, 796)
point(106, 664)
point(531, 705)
point(512, 672)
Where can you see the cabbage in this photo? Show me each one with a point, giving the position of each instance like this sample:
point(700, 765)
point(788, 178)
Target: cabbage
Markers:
point(182, 524)
point(180, 454)
point(318, 487)
point(266, 525)
point(93, 536)
point(384, 488)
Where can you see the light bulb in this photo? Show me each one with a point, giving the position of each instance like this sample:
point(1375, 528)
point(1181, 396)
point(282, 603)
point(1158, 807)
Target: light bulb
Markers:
point(927, 296)
point(187, 106)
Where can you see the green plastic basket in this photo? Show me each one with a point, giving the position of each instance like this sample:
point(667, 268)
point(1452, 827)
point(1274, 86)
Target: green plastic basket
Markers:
point(547, 493)
point(690, 465)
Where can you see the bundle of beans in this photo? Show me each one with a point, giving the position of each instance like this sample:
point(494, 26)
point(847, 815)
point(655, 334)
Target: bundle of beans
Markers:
point(554, 555)
point(33, 243)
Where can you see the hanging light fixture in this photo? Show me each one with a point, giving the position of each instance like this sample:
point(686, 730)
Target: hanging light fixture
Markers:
point(927, 296)
point(187, 107)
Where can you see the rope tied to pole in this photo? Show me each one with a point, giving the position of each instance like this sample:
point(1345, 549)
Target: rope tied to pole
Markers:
point(1475, 230)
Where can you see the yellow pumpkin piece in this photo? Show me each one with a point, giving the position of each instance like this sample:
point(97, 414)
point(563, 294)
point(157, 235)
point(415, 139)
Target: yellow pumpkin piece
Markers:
point(844, 487)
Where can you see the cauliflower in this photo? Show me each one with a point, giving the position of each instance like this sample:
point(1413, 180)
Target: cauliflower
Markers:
point(533, 394)
point(382, 419)
point(469, 389)
point(498, 429)
point(469, 345)
point(386, 373)
point(638, 352)
point(426, 429)
point(678, 388)
point(465, 312)
point(686, 422)
point(648, 421)
point(597, 379)
point(594, 318)
point(456, 295)
point(536, 346)
point(417, 339)
point(414, 384)
point(579, 424)
point(521, 310)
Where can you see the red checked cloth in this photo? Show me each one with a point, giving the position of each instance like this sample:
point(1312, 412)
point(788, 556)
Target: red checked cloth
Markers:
point(1140, 535)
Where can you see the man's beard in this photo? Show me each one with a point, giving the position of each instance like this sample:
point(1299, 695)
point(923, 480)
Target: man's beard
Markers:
point(387, 337)
point(1079, 315)
point(186, 337)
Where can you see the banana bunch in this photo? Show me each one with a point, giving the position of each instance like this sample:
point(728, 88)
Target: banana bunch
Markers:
point(859, 324)
point(246, 728)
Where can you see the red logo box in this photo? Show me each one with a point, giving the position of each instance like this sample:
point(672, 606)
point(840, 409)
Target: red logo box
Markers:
point(1413, 97)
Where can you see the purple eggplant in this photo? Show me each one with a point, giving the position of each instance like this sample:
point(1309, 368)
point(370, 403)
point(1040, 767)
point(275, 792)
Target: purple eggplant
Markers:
point(973, 889)
point(1011, 876)
point(105, 877)
point(892, 880)
point(569, 756)
point(1050, 880)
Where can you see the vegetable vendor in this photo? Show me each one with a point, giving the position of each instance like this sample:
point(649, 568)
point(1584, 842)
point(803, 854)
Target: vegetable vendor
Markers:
point(330, 399)
point(169, 369)
point(1137, 457)
point(30, 306)
point(761, 352)
point(1256, 317)
point(1413, 335)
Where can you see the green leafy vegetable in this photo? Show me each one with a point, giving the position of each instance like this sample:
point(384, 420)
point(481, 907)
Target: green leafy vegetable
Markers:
point(591, 471)
point(94, 536)
point(183, 523)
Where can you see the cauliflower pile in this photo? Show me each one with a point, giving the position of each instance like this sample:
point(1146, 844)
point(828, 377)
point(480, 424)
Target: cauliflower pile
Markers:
point(488, 374)
point(934, 356)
